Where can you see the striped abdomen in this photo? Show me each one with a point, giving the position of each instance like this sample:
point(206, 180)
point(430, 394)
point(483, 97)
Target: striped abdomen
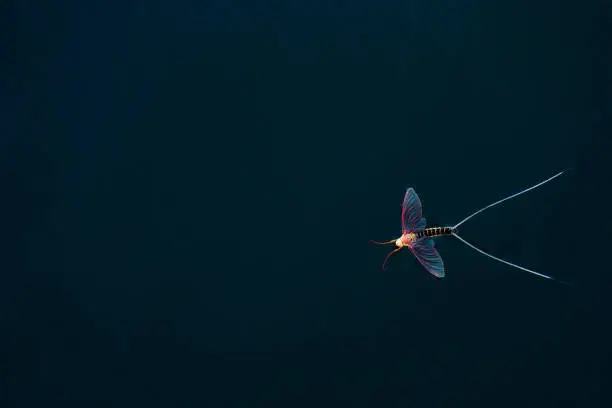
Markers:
point(434, 232)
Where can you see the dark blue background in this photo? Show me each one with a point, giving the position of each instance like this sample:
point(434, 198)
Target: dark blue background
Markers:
point(188, 191)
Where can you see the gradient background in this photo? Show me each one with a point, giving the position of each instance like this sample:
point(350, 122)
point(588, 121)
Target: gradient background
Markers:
point(188, 191)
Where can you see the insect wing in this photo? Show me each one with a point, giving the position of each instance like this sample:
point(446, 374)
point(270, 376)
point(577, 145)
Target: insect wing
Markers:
point(425, 251)
point(412, 213)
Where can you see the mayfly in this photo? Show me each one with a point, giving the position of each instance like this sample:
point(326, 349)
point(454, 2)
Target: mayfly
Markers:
point(418, 238)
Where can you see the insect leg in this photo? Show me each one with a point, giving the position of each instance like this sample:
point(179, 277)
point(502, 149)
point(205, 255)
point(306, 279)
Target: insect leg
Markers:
point(382, 243)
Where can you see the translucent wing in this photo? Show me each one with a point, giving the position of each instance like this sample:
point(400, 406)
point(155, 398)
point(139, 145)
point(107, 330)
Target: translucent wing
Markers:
point(425, 251)
point(412, 214)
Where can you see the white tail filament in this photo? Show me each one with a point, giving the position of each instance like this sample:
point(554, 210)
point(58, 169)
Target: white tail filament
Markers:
point(507, 198)
point(499, 202)
point(503, 261)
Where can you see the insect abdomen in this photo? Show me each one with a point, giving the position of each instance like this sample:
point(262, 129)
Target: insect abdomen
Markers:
point(435, 232)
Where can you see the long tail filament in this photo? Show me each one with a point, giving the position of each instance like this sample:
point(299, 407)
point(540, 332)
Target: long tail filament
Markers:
point(503, 261)
point(507, 198)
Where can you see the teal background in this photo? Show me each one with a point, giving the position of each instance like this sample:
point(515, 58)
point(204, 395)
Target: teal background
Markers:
point(189, 189)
